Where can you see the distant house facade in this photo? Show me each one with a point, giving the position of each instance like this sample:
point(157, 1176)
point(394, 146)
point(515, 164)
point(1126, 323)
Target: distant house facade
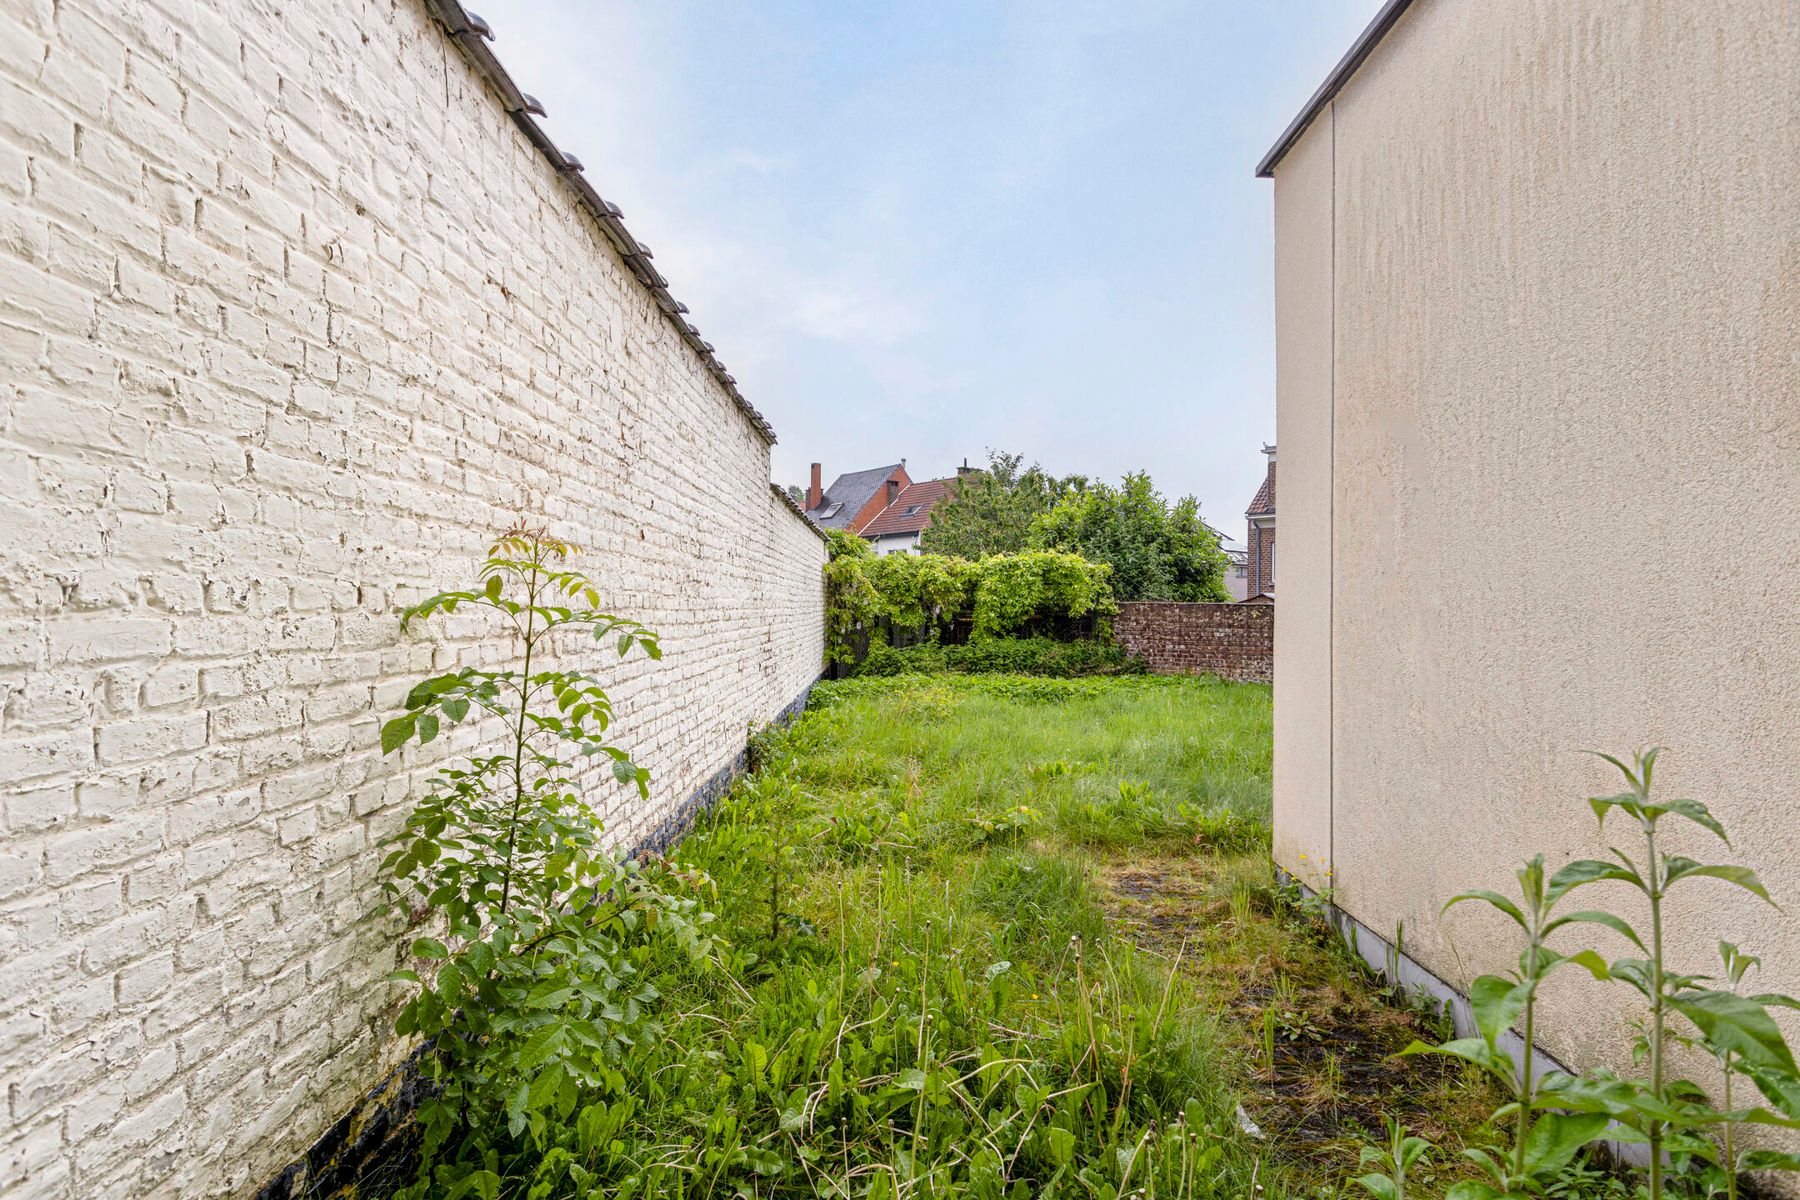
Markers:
point(884, 505)
point(1536, 277)
point(1237, 566)
point(1259, 537)
point(898, 527)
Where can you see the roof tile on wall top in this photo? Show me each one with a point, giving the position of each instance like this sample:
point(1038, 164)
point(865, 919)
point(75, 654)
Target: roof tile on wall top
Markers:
point(471, 34)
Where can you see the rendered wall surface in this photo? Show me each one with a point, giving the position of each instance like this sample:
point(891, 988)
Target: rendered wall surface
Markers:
point(293, 320)
point(1303, 432)
point(1564, 466)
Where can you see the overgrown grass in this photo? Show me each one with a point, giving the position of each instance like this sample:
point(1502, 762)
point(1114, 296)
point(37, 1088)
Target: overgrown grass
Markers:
point(932, 968)
point(992, 937)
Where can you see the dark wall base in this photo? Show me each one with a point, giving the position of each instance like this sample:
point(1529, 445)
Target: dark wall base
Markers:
point(369, 1151)
point(372, 1149)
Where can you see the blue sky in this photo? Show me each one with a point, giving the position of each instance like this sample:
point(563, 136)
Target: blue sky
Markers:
point(920, 230)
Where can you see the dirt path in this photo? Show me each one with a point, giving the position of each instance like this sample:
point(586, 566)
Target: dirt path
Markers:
point(1331, 1081)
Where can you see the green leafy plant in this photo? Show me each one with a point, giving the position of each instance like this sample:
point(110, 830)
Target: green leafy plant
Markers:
point(1395, 1160)
point(1543, 1141)
point(1556, 1115)
point(1726, 1158)
point(1297, 1026)
point(867, 594)
point(1157, 550)
point(531, 993)
point(991, 509)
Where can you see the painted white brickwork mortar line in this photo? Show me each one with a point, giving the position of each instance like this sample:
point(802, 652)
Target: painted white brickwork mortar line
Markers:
point(294, 318)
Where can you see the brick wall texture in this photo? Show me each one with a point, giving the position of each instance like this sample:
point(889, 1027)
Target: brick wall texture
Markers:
point(1234, 641)
point(293, 319)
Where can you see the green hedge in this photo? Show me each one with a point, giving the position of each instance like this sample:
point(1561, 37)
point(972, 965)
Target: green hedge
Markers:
point(1003, 595)
point(1003, 656)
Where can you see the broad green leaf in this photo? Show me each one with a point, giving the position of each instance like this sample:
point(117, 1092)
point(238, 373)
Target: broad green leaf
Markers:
point(427, 725)
point(1556, 1137)
point(1739, 1025)
point(493, 587)
point(545, 1086)
point(1699, 814)
point(1635, 971)
point(1061, 1144)
point(1592, 962)
point(1589, 917)
point(1584, 871)
point(1497, 1003)
point(396, 733)
point(1474, 1050)
point(1677, 868)
point(539, 1046)
point(429, 948)
point(1494, 898)
point(1605, 804)
point(1378, 1185)
point(1770, 1160)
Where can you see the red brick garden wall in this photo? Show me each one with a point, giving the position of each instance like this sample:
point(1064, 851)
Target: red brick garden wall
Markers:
point(1236, 641)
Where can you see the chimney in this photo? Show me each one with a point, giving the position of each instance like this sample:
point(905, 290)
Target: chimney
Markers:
point(893, 490)
point(965, 469)
point(814, 495)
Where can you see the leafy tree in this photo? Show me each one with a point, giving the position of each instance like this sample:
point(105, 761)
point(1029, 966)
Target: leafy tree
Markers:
point(991, 510)
point(532, 995)
point(1157, 551)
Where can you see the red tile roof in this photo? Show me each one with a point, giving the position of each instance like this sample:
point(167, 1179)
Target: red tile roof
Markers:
point(911, 511)
point(1265, 496)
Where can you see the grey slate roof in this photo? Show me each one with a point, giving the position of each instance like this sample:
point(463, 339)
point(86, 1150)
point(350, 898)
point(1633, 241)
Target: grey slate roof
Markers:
point(850, 493)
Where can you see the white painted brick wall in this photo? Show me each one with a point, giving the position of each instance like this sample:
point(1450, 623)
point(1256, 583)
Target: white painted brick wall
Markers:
point(292, 320)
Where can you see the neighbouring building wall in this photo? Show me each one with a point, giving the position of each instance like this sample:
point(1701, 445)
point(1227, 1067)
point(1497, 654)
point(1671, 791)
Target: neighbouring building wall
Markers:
point(897, 543)
point(1233, 641)
point(294, 320)
point(1303, 320)
point(1538, 317)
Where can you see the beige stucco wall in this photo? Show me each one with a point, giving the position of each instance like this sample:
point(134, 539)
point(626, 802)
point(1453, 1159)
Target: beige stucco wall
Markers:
point(1303, 507)
point(1564, 466)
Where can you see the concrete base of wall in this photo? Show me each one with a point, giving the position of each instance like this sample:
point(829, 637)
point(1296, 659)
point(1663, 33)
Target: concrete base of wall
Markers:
point(1389, 960)
point(369, 1151)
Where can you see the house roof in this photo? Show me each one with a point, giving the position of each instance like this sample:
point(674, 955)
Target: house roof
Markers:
point(1359, 51)
point(911, 510)
point(848, 495)
point(1265, 498)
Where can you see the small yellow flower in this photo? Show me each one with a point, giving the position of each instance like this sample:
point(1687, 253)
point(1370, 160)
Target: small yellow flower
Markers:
point(896, 962)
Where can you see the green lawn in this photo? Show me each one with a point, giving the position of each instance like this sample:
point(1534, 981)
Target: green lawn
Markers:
point(937, 1007)
point(998, 937)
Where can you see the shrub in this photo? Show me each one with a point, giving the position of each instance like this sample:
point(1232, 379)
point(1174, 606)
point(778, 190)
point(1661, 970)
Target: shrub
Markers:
point(1002, 594)
point(1553, 1116)
point(535, 991)
point(1157, 551)
point(1004, 656)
